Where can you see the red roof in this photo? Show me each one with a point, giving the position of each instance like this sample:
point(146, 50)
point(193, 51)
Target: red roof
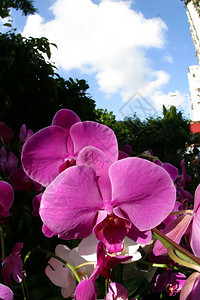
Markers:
point(195, 127)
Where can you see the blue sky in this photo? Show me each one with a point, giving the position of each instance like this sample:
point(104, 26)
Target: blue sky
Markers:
point(133, 54)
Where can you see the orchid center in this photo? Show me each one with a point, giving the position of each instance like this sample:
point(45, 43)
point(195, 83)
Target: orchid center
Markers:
point(69, 162)
point(111, 231)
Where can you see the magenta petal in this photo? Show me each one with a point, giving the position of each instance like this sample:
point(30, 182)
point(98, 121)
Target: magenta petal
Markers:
point(86, 290)
point(6, 293)
point(117, 291)
point(43, 153)
point(140, 237)
point(173, 171)
point(65, 118)
point(47, 232)
point(6, 196)
point(99, 161)
point(17, 248)
point(122, 155)
point(191, 288)
point(197, 198)
point(70, 203)
point(6, 271)
point(174, 230)
point(17, 270)
point(195, 237)
point(143, 190)
point(94, 158)
point(97, 135)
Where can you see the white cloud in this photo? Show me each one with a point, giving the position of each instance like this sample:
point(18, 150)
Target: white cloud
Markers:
point(172, 98)
point(109, 40)
point(168, 58)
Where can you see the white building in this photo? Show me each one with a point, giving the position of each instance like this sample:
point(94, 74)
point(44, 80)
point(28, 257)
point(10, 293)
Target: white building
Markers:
point(194, 86)
point(194, 22)
point(194, 71)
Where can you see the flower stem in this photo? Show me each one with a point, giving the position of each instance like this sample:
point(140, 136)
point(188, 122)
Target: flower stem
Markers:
point(72, 268)
point(181, 212)
point(156, 265)
point(180, 261)
point(89, 263)
point(178, 247)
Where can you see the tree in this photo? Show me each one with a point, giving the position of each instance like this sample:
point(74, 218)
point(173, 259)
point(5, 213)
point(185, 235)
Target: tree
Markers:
point(26, 6)
point(30, 90)
point(166, 136)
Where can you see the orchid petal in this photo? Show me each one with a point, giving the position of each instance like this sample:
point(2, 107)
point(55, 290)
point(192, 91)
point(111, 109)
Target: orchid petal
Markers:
point(173, 171)
point(60, 274)
point(65, 118)
point(197, 198)
point(70, 203)
point(140, 237)
point(86, 290)
point(6, 196)
point(194, 237)
point(87, 248)
point(191, 288)
point(143, 190)
point(117, 291)
point(47, 232)
point(122, 155)
point(174, 230)
point(6, 293)
point(130, 248)
point(90, 133)
point(99, 161)
point(17, 271)
point(43, 153)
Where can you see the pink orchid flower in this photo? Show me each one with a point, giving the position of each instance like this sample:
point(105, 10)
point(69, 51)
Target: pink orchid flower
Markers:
point(6, 293)
point(126, 198)
point(61, 275)
point(170, 282)
point(12, 266)
point(116, 291)
point(55, 148)
point(6, 199)
point(191, 288)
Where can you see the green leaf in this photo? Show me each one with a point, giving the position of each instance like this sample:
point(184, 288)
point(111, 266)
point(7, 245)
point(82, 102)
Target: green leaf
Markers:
point(7, 24)
point(163, 241)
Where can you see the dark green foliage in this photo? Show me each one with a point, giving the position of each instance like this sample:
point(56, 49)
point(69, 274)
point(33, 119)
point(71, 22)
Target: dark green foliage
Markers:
point(30, 90)
point(166, 136)
point(26, 6)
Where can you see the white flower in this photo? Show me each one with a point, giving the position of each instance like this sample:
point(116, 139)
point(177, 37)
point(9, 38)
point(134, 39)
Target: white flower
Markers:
point(61, 275)
point(87, 249)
